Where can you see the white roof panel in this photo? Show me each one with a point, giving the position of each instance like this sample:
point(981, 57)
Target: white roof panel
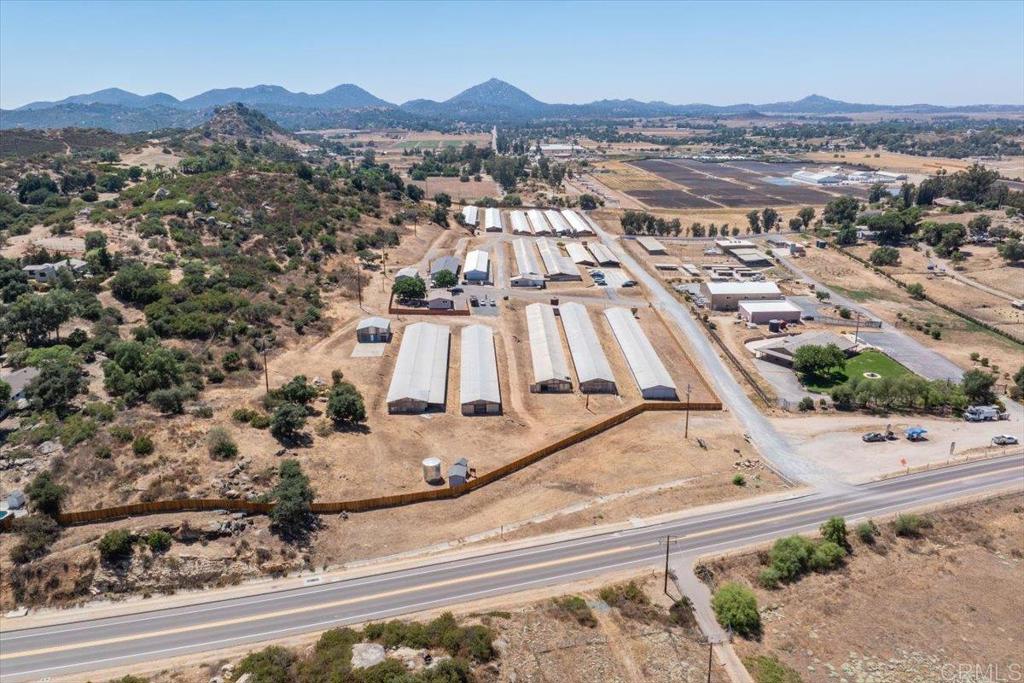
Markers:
point(579, 254)
point(742, 288)
point(767, 306)
point(421, 370)
point(549, 363)
point(557, 265)
point(476, 262)
point(650, 244)
point(375, 321)
point(469, 214)
point(587, 354)
point(520, 226)
point(603, 254)
point(492, 219)
point(478, 377)
point(526, 262)
point(538, 222)
point(648, 371)
point(558, 222)
point(576, 222)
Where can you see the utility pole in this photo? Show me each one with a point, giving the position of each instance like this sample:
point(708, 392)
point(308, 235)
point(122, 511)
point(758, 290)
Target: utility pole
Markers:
point(266, 372)
point(686, 430)
point(668, 542)
point(711, 649)
point(359, 284)
point(856, 331)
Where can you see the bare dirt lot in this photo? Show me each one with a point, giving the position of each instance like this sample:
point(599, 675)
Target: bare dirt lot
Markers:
point(903, 609)
point(458, 190)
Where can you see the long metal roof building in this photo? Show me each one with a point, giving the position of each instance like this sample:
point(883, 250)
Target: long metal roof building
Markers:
point(550, 368)
point(477, 265)
point(479, 392)
point(651, 245)
point(559, 267)
point(558, 223)
point(492, 220)
point(649, 372)
point(520, 226)
point(526, 262)
point(592, 369)
point(603, 254)
point(579, 254)
point(470, 215)
point(420, 378)
point(538, 222)
point(579, 226)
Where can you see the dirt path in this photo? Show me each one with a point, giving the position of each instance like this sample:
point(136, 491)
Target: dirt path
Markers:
point(618, 646)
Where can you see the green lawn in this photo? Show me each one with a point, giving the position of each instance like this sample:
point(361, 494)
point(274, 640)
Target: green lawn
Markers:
point(865, 361)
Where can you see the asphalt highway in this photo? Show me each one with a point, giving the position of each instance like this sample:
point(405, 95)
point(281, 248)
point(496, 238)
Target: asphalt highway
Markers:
point(69, 650)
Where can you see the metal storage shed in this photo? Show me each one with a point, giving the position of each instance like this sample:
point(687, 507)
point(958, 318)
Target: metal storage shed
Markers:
point(550, 368)
point(603, 255)
point(651, 245)
point(592, 369)
point(579, 254)
point(479, 393)
point(458, 473)
point(559, 267)
point(576, 222)
point(520, 226)
point(420, 378)
point(648, 371)
point(763, 311)
point(526, 262)
point(469, 215)
point(725, 296)
point(373, 330)
point(477, 266)
point(492, 220)
point(559, 225)
point(538, 223)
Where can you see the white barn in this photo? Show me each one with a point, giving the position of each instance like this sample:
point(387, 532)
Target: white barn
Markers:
point(419, 381)
point(648, 371)
point(578, 224)
point(559, 267)
point(373, 330)
point(726, 296)
point(520, 226)
point(579, 254)
point(651, 245)
point(477, 268)
point(479, 392)
point(538, 223)
point(603, 255)
point(492, 220)
point(470, 215)
point(559, 225)
point(765, 311)
point(592, 369)
point(550, 368)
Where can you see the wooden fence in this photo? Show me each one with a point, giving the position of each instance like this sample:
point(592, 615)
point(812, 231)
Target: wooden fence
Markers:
point(379, 503)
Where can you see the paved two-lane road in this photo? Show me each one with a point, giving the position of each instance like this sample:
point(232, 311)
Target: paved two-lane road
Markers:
point(74, 648)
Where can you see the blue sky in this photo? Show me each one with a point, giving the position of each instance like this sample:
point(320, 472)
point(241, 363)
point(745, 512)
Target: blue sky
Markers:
point(720, 53)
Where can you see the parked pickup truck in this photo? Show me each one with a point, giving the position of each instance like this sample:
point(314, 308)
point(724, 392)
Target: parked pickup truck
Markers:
point(985, 414)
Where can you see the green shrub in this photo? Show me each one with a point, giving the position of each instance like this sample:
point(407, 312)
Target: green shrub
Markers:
point(142, 445)
point(243, 415)
point(768, 669)
point(806, 403)
point(116, 544)
point(36, 533)
point(260, 421)
point(866, 532)
point(739, 479)
point(121, 433)
point(736, 608)
point(104, 412)
point(76, 429)
point(159, 541)
point(103, 452)
point(220, 444)
point(270, 665)
point(790, 556)
point(45, 494)
point(835, 530)
point(826, 556)
point(769, 578)
point(577, 609)
point(910, 526)
point(168, 401)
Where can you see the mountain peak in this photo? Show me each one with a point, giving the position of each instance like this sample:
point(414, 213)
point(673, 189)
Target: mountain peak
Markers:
point(495, 92)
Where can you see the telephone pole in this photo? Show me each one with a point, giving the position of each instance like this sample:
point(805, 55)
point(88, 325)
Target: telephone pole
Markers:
point(686, 430)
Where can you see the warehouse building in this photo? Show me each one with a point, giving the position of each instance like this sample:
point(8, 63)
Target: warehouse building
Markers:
point(449, 263)
point(559, 267)
point(651, 245)
point(420, 379)
point(470, 215)
point(592, 369)
point(550, 369)
point(648, 371)
point(603, 255)
point(373, 330)
point(559, 225)
point(479, 393)
point(538, 223)
point(751, 258)
point(578, 224)
point(492, 220)
point(520, 226)
point(728, 245)
point(579, 254)
point(478, 266)
point(726, 296)
point(761, 312)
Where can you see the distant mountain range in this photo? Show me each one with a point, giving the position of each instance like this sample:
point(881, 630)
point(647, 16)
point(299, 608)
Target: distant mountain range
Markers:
point(348, 105)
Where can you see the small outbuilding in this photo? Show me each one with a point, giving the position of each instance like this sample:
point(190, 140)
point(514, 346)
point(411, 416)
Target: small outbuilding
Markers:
point(373, 330)
point(760, 312)
point(726, 296)
point(407, 273)
point(449, 263)
point(440, 300)
point(477, 266)
point(458, 474)
point(651, 245)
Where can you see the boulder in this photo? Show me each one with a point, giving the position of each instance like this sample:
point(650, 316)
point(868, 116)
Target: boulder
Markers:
point(365, 655)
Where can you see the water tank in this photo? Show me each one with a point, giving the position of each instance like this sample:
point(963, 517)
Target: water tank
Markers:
point(431, 470)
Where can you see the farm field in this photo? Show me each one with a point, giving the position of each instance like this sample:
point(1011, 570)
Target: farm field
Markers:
point(458, 190)
point(851, 624)
point(907, 163)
